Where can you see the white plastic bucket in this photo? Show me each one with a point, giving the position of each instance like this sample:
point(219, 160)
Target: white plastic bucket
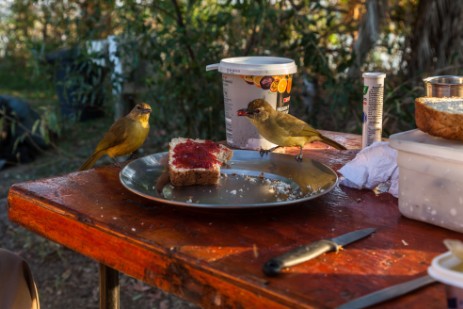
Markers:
point(448, 269)
point(246, 79)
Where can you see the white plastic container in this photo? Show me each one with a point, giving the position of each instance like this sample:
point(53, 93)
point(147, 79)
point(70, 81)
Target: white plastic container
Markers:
point(430, 178)
point(448, 269)
point(248, 78)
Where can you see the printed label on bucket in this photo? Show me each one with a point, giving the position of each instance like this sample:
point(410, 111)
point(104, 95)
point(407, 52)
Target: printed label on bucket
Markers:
point(280, 84)
point(238, 91)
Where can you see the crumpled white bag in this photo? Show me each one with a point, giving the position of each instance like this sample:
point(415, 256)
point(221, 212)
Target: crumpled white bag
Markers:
point(373, 166)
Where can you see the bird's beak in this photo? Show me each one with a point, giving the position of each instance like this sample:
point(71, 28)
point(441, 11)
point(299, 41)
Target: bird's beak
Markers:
point(146, 111)
point(243, 112)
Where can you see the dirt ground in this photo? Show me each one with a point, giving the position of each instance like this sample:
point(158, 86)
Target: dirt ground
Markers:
point(65, 278)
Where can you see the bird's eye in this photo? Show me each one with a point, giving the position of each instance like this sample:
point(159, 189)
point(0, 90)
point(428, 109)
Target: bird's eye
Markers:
point(257, 111)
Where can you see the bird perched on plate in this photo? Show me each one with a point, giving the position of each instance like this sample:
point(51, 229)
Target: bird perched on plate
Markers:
point(282, 129)
point(125, 136)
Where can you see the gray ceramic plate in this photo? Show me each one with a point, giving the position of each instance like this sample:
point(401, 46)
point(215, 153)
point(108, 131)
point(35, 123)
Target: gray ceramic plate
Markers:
point(249, 181)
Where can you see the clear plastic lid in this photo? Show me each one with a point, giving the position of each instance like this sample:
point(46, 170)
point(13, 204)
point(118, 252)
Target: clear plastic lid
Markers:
point(442, 269)
point(418, 142)
point(255, 65)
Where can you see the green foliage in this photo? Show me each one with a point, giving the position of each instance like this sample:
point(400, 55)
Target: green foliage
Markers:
point(183, 39)
point(80, 79)
point(166, 45)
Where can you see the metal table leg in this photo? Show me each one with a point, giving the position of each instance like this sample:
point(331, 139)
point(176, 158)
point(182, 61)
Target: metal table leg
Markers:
point(109, 288)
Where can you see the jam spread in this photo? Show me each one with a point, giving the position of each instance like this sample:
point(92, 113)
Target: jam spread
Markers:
point(196, 155)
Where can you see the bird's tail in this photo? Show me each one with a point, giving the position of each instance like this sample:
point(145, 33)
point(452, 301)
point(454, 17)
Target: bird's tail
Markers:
point(332, 143)
point(91, 161)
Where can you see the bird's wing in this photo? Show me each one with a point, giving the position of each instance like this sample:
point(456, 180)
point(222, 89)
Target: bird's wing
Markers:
point(294, 126)
point(116, 135)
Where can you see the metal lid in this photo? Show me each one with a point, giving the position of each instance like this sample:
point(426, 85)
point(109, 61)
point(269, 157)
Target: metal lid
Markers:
point(444, 80)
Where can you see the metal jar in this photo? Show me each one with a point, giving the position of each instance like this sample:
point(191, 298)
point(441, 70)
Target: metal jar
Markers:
point(444, 86)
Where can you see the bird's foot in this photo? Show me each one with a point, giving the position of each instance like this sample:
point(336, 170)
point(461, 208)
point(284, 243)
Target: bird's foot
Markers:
point(267, 151)
point(263, 152)
point(118, 164)
point(133, 156)
point(299, 155)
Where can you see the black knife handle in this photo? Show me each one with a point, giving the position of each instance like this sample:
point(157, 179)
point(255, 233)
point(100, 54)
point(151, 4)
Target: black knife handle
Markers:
point(299, 255)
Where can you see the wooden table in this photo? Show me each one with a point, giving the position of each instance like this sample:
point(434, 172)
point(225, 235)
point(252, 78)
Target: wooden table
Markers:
point(215, 258)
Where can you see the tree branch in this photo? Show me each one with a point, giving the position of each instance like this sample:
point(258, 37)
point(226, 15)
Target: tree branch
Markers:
point(181, 24)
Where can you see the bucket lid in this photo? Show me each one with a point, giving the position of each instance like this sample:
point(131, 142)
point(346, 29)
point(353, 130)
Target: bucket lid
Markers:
point(441, 270)
point(255, 65)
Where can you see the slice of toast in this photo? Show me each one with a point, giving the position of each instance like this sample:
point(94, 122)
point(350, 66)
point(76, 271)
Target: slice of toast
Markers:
point(442, 117)
point(196, 161)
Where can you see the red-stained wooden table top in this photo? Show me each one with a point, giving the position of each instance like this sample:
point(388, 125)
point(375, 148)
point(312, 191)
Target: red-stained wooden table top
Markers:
point(214, 258)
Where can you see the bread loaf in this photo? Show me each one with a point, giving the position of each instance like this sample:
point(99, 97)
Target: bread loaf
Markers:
point(442, 117)
point(196, 161)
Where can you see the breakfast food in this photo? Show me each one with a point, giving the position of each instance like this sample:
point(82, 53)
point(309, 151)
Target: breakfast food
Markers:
point(442, 117)
point(196, 161)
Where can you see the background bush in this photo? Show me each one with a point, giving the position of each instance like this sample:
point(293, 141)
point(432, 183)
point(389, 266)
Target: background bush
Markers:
point(166, 46)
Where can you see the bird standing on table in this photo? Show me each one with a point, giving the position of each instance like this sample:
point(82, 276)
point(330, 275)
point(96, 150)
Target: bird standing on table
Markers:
point(125, 136)
point(283, 129)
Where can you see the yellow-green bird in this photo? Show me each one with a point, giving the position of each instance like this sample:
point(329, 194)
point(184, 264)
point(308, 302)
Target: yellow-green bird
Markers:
point(282, 129)
point(125, 136)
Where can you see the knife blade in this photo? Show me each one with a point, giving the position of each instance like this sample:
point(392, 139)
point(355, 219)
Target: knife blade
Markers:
point(387, 293)
point(304, 253)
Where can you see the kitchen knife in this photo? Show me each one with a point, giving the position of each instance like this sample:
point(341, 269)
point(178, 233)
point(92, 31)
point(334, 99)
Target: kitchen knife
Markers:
point(304, 253)
point(387, 293)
